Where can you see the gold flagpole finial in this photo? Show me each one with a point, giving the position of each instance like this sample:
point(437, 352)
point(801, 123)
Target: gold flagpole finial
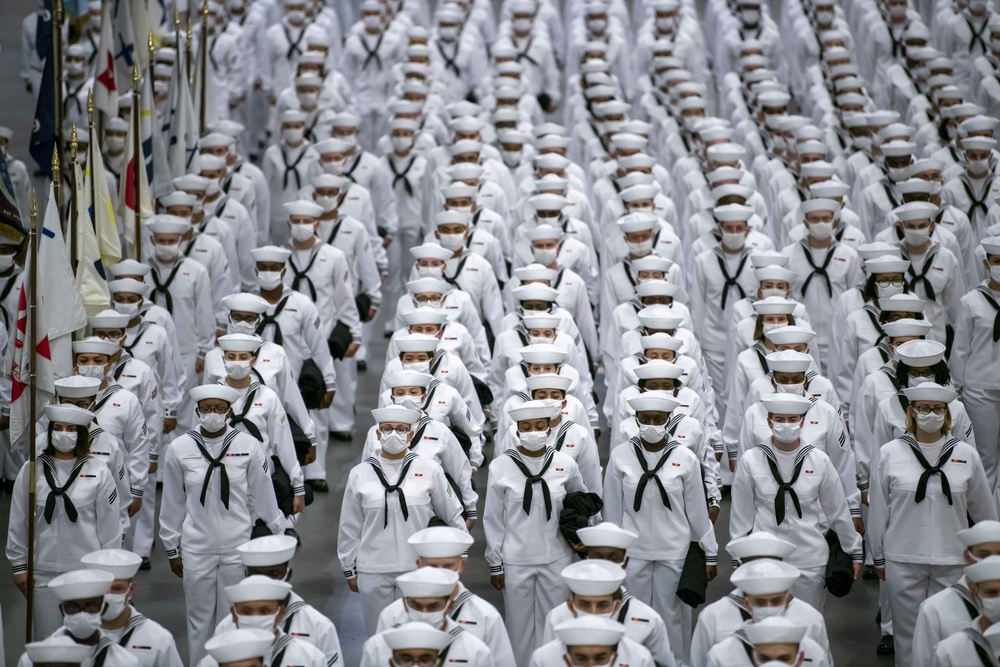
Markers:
point(33, 208)
point(74, 144)
point(55, 161)
point(135, 76)
point(90, 105)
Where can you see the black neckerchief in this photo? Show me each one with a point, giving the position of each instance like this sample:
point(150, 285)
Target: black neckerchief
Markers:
point(985, 291)
point(304, 273)
point(213, 463)
point(731, 281)
point(164, 287)
point(55, 491)
point(372, 53)
point(269, 319)
point(922, 278)
point(818, 270)
point(650, 473)
point(396, 488)
point(291, 169)
point(931, 470)
point(532, 479)
point(134, 622)
point(241, 419)
point(398, 176)
point(783, 486)
point(294, 49)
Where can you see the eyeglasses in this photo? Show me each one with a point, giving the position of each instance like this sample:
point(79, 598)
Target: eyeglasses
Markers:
point(107, 335)
point(93, 606)
point(251, 318)
point(385, 428)
point(425, 661)
point(898, 282)
point(219, 410)
point(926, 409)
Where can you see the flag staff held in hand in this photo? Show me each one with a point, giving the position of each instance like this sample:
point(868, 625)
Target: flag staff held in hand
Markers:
point(33, 395)
point(139, 161)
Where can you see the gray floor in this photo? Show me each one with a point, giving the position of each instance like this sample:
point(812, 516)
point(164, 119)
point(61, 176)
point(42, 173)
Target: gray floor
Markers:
point(317, 576)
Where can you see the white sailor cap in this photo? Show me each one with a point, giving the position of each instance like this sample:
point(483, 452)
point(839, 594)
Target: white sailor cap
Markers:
point(238, 645)
point(590, 631)
point(471, 123)
point(77, 386)
point(658, 369)
point(108, 319)
point(303, 207)
point(331, 145)
point(94, 345)
point(774, 630)
point(654, 401)
point(167, 224)
point(549, 381)
point(903, 303)
point(611, 108)
point(226, 126)
point(812, 147)
point(819, 169)
point(984, 531)
point(786, 404)
point(895, 130)
point(774, 272)
point(81, 585)
point(660, 317)
point(930, 391)
point(267, 551)
point(258, 587)
point(915, 185)
point(58, 649)
point(992, 633)
point(915, 210)
point(425, 315)
point(396, 414)
point(656, 288)
point(440, 542)
point(219, 391)
point(765, 577)
point(867, 251)
point(898, 148)
point(535, 292)
point(789, 361)
point(991, 245)
point(638, 222)
point(549, 141)
point(549, 128)
point(634, 178)
point(629, 141)
point(988, 569)
point(774, 305)
point(452, 218)
point(727, 152)
point(768, 258)
point(660, 341)
point(399, 123)
point(593, 577)
point(606, 534)
point(416, 635)
point(535, 272)
point(907, 327)
point(240, 343)
point(790, 335)
point(920, 353)
point(819, 204)
point(978, 144)
point(191, 182)
point(427, 582)
point(760, 544)
point(724, 174)
point(458, 189)
point(216, 139)
point(540, 321)
point(245, 303)
point(887, 264)
point(465, 146)
point(731, 190)
point(408, 379)
point(548, 202)
point(543, 353)
point(732, 213)
point(978, 124)
point(179, 198)
point(638, 192)
point(417, 343)
point(119, 563)
point(271, 253)
point(68, 414)
point(308, 78)
point(533, 410)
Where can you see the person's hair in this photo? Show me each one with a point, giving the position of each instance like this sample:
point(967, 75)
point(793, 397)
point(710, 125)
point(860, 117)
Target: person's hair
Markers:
point(911, 423)
point(82, 442)
point(758, 327)
point(942, 375)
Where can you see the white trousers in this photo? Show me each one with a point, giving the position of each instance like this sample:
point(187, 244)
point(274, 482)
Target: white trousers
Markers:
point(811, 586)
point(205, 579)
point(144, 523)
point(983, 406)
point(12, 460)
point(46, 613)
point(530, 593)
point(655, 583)
point(377, 591)
point(185, 411)
point(715, 361)
point(341, 412)
point(909, 584)
point(321, 422)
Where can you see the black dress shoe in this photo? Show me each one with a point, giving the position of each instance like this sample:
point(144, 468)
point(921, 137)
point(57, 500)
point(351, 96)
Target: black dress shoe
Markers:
point(146, 565)
point(342, 436)
point(318, 485)
point(869, 573)
point(886, 646)
point(291, 533)
point(362, 365)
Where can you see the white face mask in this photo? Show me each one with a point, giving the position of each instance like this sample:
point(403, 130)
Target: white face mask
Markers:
point(6, 263)
point(787, 433)
point(734, 240)
point(74, 68)
point(295, 17)
point(372, 21)
point(760, 613)
point(640, 249)
point(237, 370)
point(64, 441)
point(328, 203)
point(862, 143)
point(335, 167)
point(448, 32)
point(265, 622)
point(652, 433)
point(750, 16)
point(511, 158)
point(451, 242)
point(401, 144)
point(533, 440)
point(771, 326)
point(887, 290)
point(130, 309)
point(247, 328)
point(161, 88)
point(931, 423)
point(430, 271)
point(990, 608)
point(773, 291)
point(978, 167)
point(91, 372)
point(418, 366)
point(212, 422)
point(521, 26)
point(995, 273)
point(897, 11)
point(302, 232)
point(916, 237)
point(292, 136)
point(665, 24)
point(393, 443)
point(824, 17)
point(797, 388)
point(545, 256)
point(308, 99)
point(82, 625)
point(597, 25)
point(116, 604)
point(167, 253)
point(114, 144)
point(896, 174)
point(433, 618)
point(213, 188)
point(269, 280)
point(821, 231)
point(409, 402)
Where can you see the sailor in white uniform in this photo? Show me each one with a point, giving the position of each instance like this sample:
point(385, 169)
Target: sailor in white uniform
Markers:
point(971, 645)
point(778, 639)
point(413, 643)
point(590, 640)
point(240, 647)
point(59, 650)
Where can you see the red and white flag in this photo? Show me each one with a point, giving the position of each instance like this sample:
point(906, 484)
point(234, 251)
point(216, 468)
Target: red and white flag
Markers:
point(105, 80)
point(60, 312)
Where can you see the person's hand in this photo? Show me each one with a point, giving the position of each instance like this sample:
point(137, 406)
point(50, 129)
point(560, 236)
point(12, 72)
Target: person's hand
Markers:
point(474, 471)
point(711, 571)
point(386, 241)
point(352, 349)
point(732, 465)
point(29, 90)
point(311, 456)
point(298, 504)
point(718, 457)
point(177, 566)
point(21, 581)
point(199, 365)
point(858, 567)
point(713, 512)
point(352, 583)
point(134, 506)
point(327, 400)
point(497, 581)
point(371, 315)
point(879, 572)
point(859, 525)
point(271, 99)
point(169, 425)
point(4, 422)
point(153, 467)
point(470, 524)
point(864, 498)
point(219, 333)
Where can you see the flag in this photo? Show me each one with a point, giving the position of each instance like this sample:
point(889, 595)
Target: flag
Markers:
point(141, 27)
point(43, 131)
point(59, 313)
point(11, 227)
point(105, 81)
point(102, 209)
point(91, 282)
point(154, 146)
point(126, 49)
point(128, 206)
point(183, 145)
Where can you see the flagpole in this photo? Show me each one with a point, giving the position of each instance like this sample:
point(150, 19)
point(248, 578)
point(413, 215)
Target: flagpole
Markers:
point(57, 70)
point(152, 57)
point(187, 50)
point(138, 161)
point(32, 398)
point(203, 87)
point(74, 205)
point(91, 156)
point(177, 30)
point(57, 180)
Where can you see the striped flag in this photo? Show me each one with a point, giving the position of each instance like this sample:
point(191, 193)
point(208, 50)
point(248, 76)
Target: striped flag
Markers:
point(106, 80)
point(102, 209)
point(11, 226)
point(128, 206)
point(91, 281)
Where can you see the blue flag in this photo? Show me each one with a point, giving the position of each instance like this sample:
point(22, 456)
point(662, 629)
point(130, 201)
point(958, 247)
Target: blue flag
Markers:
point(43, 132)
point(10, 217)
